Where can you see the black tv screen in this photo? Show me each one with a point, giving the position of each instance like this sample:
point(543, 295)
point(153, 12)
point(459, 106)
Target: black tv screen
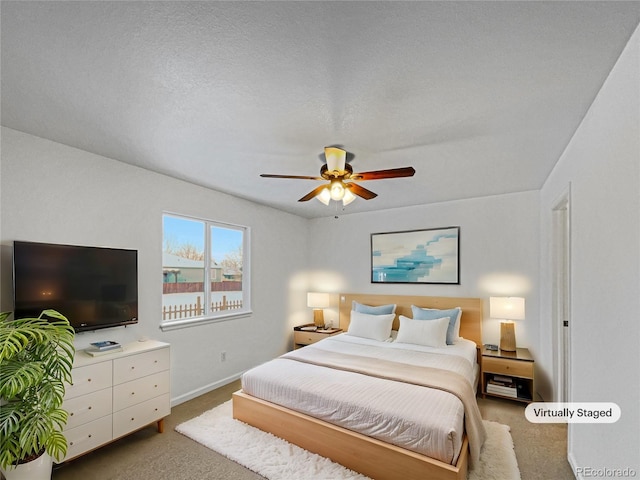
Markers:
point(93, 287)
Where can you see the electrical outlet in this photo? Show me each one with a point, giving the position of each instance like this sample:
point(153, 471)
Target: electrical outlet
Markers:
point(223, 356)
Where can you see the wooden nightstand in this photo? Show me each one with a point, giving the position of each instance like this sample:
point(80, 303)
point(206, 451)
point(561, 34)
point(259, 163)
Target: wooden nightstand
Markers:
point(507, 374)
point(302, 337)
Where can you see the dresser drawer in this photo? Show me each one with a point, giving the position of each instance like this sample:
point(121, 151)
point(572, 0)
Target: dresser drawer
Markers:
point(89, 407)
point(307, 338)
point(90, 378)
point(140, 415)
point(131, 367)
point(136, 391)
point(88, 436)
point(508, 367)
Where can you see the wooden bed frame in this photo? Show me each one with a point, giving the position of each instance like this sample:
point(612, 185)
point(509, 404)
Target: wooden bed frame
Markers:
point(371, 457)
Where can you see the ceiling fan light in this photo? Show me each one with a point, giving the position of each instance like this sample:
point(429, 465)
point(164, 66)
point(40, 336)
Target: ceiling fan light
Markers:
point(336, 158)
point(324, 196)
point(337, 190)
point(348, 197)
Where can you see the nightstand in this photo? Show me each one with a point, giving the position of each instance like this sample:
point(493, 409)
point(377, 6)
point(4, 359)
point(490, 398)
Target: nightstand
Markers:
point(507, 374)
point(305, 337)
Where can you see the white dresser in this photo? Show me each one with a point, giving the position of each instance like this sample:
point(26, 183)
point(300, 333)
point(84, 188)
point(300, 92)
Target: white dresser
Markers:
point(115, 394)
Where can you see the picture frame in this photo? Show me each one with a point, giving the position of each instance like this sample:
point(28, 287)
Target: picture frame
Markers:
point(416, 256)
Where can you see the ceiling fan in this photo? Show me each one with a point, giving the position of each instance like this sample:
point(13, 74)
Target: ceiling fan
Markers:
point(341, 179)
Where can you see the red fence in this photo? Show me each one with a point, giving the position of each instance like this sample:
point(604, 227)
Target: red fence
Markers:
point(195, 287)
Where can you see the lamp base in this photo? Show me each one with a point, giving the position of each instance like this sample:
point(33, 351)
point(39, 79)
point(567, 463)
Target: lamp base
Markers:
point(508, 336)
point(318, 318)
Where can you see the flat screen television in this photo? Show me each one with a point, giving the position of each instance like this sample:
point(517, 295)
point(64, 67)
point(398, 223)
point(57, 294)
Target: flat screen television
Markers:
point(93, 287)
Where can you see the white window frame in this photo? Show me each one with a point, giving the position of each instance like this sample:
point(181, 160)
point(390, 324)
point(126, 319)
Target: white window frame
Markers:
point(245, 311)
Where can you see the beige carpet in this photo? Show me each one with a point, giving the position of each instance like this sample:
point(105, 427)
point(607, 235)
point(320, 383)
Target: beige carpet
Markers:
point(277, 459)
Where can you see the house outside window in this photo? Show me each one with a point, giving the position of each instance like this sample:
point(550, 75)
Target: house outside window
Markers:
point(191, 293)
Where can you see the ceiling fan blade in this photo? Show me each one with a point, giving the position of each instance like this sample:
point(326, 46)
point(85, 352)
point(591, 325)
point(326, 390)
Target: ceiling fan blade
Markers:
point(380, 174)
point(361, 191)
point(297, 177)
point(313, 193)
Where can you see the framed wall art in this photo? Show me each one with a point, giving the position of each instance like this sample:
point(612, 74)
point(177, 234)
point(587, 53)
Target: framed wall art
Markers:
point(416, 256)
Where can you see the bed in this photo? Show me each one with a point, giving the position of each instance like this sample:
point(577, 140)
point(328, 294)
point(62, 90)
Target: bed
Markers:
point(399, 440)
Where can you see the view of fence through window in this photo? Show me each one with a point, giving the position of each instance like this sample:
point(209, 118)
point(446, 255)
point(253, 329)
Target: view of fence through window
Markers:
point(188, 245)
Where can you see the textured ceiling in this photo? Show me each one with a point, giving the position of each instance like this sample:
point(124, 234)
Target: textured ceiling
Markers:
point(481, 98)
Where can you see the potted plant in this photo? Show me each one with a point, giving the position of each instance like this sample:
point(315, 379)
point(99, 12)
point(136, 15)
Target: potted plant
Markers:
point(36, 357)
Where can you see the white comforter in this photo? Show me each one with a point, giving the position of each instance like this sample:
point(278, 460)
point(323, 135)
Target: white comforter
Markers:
point(424, 420)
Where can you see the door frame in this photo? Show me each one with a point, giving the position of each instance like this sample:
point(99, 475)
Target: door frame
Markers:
point(561, 299)
point(561, 294)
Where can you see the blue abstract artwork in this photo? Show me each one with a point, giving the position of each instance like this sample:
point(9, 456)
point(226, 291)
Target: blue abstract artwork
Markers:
point(417, 256)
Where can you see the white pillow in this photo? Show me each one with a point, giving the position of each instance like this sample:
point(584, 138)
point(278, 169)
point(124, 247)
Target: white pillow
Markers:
point(431, 334)
point(375, 327)
point(454, 314)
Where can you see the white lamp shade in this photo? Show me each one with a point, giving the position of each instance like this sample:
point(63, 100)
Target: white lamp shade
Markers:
point(348, 197)
point(508, 308)
point(318, 300)
point(337, 190)
point(336, 158)
point(324, 196)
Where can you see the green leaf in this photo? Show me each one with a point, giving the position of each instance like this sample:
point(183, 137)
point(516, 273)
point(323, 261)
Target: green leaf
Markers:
point(16, 377)
point(36, 359)
point(56, 445)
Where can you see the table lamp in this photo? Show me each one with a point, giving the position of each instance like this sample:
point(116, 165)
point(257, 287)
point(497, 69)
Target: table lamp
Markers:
point(507, 308)
point(318, 301)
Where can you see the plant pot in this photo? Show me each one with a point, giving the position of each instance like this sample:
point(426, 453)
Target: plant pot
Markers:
point(38, 469)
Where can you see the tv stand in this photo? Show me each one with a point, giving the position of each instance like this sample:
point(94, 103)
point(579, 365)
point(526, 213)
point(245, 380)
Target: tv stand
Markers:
point(116, 394)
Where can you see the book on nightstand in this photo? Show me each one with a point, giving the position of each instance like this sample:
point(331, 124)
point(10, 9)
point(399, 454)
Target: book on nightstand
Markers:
point(507, 392)
point(500, 388)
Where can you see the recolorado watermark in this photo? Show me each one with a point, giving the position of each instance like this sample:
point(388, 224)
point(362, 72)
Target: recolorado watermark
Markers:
point(572, 412)
point(604, 472)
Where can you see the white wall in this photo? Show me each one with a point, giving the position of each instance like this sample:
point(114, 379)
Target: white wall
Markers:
point(602, 164)
point(499, 240)
point(54, 193)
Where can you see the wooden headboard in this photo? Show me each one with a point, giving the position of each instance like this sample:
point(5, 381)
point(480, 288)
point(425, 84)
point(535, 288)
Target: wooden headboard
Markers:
point(470, 321)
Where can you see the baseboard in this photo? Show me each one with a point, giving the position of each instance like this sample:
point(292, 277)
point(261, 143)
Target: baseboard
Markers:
point(572, 463)
point(205, 389)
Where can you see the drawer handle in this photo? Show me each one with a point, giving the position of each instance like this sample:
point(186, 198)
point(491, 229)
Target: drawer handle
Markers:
point(88, 379)
point(133, 368)
point(133, 393)
point(155, 361)
point(132, 419)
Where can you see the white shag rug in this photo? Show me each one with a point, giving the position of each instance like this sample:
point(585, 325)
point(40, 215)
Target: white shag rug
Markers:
point(277, 459)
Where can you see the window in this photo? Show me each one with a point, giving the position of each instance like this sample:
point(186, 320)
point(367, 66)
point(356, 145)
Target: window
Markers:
point(205, 271)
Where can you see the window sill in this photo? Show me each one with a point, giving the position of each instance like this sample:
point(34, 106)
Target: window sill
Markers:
point(169, 325)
